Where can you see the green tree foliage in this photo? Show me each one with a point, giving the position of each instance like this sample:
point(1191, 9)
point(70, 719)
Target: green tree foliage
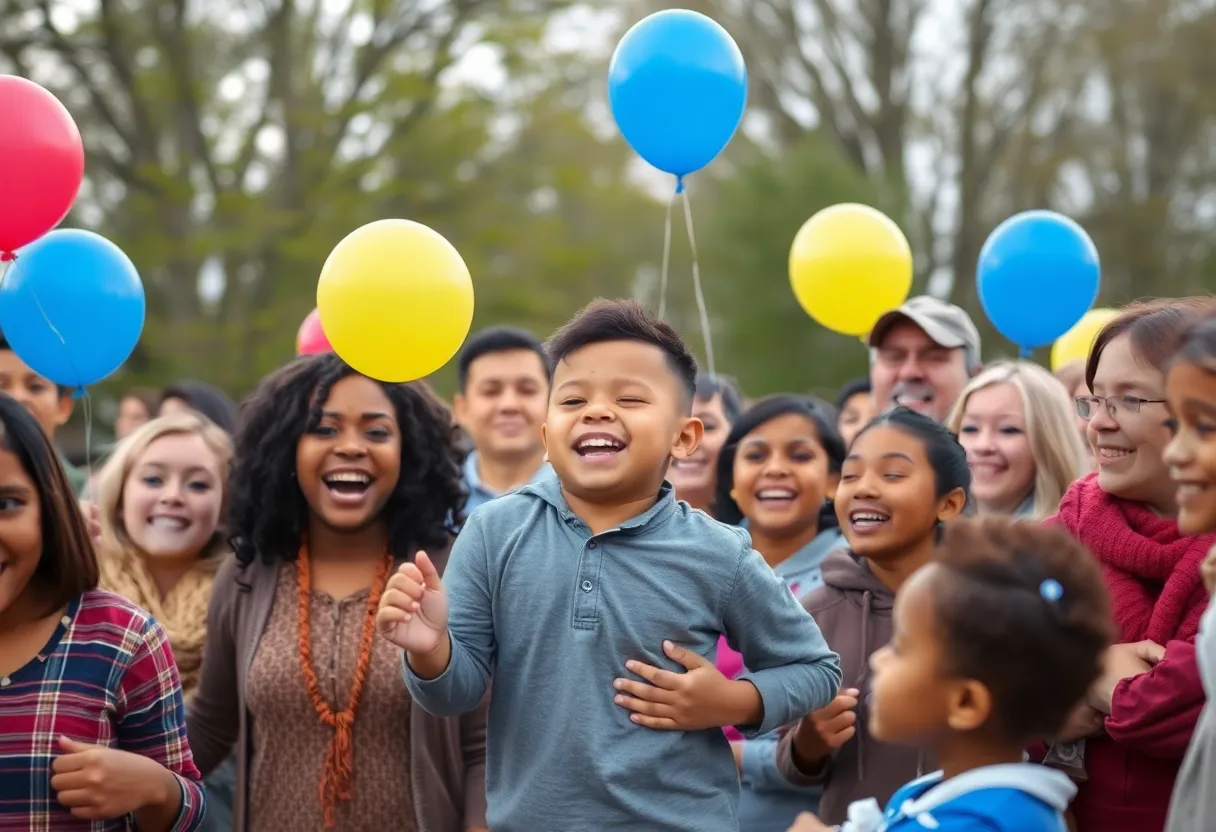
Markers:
point(764, 338)
point(232, 144)
point(975, 110)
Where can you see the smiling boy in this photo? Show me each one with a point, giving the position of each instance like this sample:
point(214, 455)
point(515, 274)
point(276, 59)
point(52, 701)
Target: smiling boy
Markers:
point(556, 587)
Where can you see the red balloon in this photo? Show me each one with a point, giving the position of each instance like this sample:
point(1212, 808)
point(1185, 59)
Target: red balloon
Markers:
point(41, 162)
point(311, 340)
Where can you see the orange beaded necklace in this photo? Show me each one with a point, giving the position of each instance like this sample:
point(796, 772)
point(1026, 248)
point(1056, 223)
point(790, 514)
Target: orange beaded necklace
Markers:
point(335, 782)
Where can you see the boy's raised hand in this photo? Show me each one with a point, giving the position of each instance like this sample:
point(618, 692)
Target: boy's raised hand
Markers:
point(697, 699)
point(413, 611)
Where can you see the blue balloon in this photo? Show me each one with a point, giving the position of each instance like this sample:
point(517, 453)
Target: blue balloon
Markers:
point(1038, 274)
point(678, 86)
point(72, 307)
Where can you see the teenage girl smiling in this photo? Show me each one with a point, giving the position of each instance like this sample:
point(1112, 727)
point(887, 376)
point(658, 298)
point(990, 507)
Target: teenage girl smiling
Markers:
point(904, 477)
point(93, 735)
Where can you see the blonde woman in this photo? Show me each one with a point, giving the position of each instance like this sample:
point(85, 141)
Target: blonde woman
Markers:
point(160, 503)
point(1016, 422)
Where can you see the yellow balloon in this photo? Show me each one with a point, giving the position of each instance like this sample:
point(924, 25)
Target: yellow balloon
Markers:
point(395, 300)
point(848, 265)
point(1075, 344)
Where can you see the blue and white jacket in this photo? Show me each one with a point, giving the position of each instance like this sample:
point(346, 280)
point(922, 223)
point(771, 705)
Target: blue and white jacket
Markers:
point(1017, 797)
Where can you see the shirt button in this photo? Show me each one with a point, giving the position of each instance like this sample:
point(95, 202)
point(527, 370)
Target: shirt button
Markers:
point(587, 587)
point(592, 545)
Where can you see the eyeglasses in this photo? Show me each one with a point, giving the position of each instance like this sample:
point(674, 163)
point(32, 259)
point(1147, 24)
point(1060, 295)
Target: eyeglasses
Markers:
point(1087, 406)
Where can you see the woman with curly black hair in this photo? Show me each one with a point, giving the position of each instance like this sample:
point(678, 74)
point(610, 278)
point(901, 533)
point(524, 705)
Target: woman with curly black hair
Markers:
point(337, 479)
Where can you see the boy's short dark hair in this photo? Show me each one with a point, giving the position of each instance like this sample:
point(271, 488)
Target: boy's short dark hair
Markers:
point(624, 320)
point(4, 345)
point(1022, 608)
point(497, 339)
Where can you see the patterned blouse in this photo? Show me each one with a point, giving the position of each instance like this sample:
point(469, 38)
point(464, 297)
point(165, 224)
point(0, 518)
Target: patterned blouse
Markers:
point(106, 677)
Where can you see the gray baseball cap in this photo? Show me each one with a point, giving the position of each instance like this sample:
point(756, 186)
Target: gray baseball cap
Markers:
point(946, 324)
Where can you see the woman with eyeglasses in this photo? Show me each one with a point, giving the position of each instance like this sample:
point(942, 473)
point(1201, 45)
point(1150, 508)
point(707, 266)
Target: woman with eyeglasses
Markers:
point(1125, 741)
point(1072, 376)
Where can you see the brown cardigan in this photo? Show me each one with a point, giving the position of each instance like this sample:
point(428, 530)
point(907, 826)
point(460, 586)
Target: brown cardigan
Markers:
point(447, 754)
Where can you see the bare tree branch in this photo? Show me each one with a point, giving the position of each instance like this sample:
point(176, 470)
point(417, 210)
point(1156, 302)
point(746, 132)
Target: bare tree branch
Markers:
point(144, 138)
point(71, 55)
point(177, 50)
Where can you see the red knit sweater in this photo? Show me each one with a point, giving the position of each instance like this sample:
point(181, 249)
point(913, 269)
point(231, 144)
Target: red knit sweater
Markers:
point(1152, 572)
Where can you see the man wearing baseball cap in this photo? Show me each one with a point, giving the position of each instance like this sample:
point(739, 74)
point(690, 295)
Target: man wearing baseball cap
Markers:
point(922, 355)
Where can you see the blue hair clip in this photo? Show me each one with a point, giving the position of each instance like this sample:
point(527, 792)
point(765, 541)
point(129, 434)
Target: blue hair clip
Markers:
point(1051, 590)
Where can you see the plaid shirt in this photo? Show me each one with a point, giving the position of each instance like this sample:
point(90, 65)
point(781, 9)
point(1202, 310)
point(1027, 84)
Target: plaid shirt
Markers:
point(107, 678)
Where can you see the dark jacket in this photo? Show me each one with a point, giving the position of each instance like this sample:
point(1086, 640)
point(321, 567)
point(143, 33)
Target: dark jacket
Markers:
point(853, 610)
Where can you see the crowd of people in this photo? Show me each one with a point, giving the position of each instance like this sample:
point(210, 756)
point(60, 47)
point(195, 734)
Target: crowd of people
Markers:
point(599, 590)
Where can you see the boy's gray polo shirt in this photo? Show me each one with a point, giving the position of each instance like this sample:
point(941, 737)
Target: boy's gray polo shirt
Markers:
point(554, 612)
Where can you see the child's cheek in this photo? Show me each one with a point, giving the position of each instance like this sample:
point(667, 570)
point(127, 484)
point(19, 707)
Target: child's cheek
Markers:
point(874, 704)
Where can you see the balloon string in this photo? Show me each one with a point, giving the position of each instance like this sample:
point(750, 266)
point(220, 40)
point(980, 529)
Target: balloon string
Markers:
point(1025, 352)
point(666, 259)
point(79, 391)
point(88, 436)
point(696, 285)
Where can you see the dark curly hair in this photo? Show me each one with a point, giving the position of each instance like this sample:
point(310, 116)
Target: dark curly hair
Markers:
point(1017, 603)
point(267, 513)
